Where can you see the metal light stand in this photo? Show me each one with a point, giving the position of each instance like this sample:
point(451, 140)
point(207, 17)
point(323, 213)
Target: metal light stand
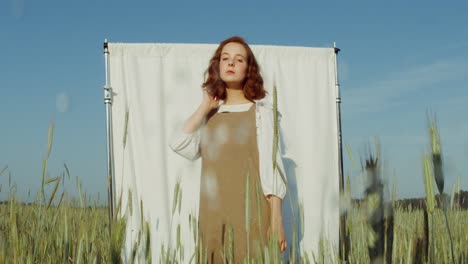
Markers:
point(343, 245)
point(110, 149)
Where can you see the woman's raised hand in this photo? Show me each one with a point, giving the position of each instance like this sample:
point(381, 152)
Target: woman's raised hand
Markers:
point(209, 102)
point(196, 119)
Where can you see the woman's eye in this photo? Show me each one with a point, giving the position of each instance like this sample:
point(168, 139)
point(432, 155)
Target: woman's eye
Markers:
point(224, 59)
point(240, 60)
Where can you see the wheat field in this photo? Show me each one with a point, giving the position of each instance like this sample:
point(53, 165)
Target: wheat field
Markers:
point(71, 234)
point(58, 229)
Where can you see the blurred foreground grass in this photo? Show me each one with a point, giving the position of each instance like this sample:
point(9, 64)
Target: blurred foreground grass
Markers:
point(69, 231)
point(69, 234)
point(407, 230)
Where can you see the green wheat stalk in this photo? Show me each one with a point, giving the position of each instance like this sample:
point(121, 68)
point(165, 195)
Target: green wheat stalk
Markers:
point(436, 154)
point(452, 197)
point(3, 170)
point(259, 210)
point(247, 213)
point(57, 183)
point(50, 138)
point(78, 184)
point(395, 188)
point(125, 128)
point(430, 201)
point(175, 196)
point(179, 201)
point(141, 214)
point(350, 155)
point(430, 198)
point(231, 243)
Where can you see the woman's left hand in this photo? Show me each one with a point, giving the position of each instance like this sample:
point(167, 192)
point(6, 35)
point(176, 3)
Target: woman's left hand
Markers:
point(276, 225)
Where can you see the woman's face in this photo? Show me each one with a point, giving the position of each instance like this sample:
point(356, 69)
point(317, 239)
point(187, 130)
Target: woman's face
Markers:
point(233, 64)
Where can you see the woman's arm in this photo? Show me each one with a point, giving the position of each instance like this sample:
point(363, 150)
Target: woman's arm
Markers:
point(196, 119)
point(185, 142)
point(276, 225)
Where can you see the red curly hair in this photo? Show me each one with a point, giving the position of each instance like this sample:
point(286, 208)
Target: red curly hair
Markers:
point(253, 82)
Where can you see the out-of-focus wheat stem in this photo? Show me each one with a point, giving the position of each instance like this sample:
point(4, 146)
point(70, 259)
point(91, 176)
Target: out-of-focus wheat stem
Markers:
point(259, 210)
point(437, 167)
point(124, 140)
point(350, 155)
point(57, 183)
point(50, 138)
point(436, 155)
point(452, 197)
point(430, 199)
point(3, 170)
point(247, 213)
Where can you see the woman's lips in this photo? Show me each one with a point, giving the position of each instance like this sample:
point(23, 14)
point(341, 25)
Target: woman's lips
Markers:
point(230, 72)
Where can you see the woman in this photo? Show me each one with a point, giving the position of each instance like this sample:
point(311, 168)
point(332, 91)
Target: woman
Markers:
point(232, 131)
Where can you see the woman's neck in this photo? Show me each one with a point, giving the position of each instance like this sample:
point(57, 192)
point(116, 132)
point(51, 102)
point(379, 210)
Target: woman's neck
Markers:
point(235, 96)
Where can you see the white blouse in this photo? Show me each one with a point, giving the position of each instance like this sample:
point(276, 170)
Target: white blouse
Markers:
point(234, 108)
point(188, 146)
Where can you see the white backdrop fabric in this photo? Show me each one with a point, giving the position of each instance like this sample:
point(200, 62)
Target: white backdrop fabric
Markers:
point(159, 86)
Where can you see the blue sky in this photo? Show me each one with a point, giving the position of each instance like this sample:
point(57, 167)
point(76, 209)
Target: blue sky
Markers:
point(398, 60)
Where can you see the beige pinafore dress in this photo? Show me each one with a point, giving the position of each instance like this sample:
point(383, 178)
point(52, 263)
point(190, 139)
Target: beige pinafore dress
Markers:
point(229, 158)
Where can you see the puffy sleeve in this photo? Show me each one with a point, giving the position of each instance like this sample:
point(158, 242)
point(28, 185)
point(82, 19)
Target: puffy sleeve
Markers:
point(273, 180)
point(279, 174)
point(186, 144)
point(279, 177)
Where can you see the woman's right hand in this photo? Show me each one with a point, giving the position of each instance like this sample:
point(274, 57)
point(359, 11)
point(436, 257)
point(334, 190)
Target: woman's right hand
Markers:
point(209, 102)
point(196, 119)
